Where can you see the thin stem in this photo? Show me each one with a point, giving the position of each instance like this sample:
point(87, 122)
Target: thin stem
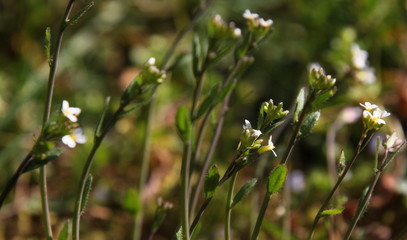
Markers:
point(228, 208)
point(366, 200)
point(260, 217)
point(47, 112)
point(143, 171)
point(362, 207)
point(86, 170)
point(359, 148)
point(184, 188)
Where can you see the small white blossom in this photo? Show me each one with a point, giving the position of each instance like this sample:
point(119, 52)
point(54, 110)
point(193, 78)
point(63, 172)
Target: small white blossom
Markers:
point(269, 147)
point(70, 112)
point(237, 32)
point(369, 106)
point(359, 57)
point(248, 126)
point(250, 16)
point(265, 23)
point(73, 138)
point(366, 75)
point(151, 61)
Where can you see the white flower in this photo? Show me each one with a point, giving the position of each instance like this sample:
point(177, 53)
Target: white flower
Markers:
point(359, 57)
point(237, 32)
point(315, 66)
point(368, 106)
point(269, 147)
point(248, 126)
point(70, 112)
point(73, 138)
point(151, 61)
point(250, 16)
point(265, 23)
point(377, 116)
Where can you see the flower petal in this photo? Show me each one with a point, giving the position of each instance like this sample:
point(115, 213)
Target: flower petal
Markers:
point(68, 140)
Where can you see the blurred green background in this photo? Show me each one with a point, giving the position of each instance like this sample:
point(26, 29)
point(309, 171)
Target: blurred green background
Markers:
point(103, 52)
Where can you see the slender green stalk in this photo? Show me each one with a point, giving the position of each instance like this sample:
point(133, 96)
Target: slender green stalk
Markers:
point(47, 112)
point(184, 188)
point(228, 208)
point(359, 148)
point(362, 206)
point(260, 217)
point(86, 170)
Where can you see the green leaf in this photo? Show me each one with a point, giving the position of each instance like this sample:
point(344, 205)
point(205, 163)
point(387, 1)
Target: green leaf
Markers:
point(42, 159)
point(196, 55)
point(211, 182)
point(86, 192)
point(376, 157)
point(48, 44)
point(183, 123)
point(299, 106)
point(82, 12)
point(131, 201)
point(342, 162)
point(208, 102)
point(309, 123)
point(101, 121)
point(332, 212)
point(179, 235)
point(65, 232)
point(225, 91)
point(243, 191)
point(320, 100)
point(276, 179)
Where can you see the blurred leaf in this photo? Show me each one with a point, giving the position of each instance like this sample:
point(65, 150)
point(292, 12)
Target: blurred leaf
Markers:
point(196, 55)
point(332, 212)
point(75, 18)
point(211, 182)
point(276, 179)
point(299, 106)
point(183, 123)
point(65, 232)
point(208, 102)
point(376, 157)
point(309, 123)
point(243, 191)
point(178, 235)
point(320, 101)
point(86, 192)
point(101, 121)
point(225, 91)
point(342, 162)
point(131, 201)
point(42, 159)
point(48, 44)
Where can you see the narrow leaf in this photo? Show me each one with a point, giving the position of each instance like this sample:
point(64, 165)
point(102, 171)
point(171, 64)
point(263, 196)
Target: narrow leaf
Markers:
point(225, 91)
point(211, 182)
point(45, 158)
point(309, 123)
point(99, 126)
point(244, 191)
point(299, 106)
point(196, 55)
point(86, 192)
point(65, 232)
point(376, 156)
point(320, 101)
point(179, 235)
point(332, 212)
point(208, 102)
point(342, 162)
point(75, 18)
point(48, 44)
point(183, 123)
point(276, 179)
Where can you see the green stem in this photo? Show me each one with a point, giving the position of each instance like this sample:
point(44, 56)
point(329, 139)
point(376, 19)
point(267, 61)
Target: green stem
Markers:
point(184, 188)
point(366, 200)
point(228, 208)
point(86, 170)
point(359, 148)
point(47, 112)
point(143, 171)
point(260, 218)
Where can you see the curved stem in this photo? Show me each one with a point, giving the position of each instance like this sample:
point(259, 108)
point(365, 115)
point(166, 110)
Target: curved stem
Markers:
point(47, 112)
point(86, 170)
point(228, 208)
point(359, 148)
point(260, 218)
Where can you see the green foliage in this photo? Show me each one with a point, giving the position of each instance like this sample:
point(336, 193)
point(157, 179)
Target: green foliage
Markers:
point(332, 212)
point(244, 190)
point(131, 201)
point(65, 233)
point(276, 179)
point(299, 106)
point(211, 182)
point(309, 123)
point(86, 193)
point(183, 123)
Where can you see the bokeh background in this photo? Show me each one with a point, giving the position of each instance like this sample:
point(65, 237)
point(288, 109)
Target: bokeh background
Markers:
point(103, 52)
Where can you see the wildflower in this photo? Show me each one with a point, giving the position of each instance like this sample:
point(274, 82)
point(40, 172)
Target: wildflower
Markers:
point(248, 126)
point(269, 113)
point(237, 32)
point(250, 16)
point(373, 116)
point(265, 23)
point(393, 143)
point(269, 147)
point(319, 81)
point(73, 138)
point(70, 112)
point(359, 57)
point(249, 136)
